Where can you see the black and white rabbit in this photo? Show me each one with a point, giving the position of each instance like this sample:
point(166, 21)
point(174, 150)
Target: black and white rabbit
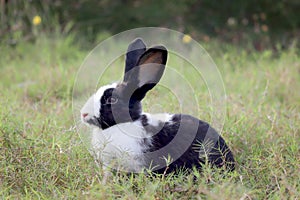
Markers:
point(125, 137)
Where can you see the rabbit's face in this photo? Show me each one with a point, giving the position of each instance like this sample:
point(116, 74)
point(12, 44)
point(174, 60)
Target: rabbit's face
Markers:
point(119, 103)
point(109, 106)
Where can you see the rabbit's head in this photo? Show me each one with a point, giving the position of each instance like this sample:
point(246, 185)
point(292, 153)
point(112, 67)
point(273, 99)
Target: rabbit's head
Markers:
point(121, 102)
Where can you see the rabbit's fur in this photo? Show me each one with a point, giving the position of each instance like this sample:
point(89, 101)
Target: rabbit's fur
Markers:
point(127, 139)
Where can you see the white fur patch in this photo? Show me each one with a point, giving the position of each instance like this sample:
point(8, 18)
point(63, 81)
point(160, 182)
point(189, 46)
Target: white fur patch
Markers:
point(88, 108)
point(120, 146)
point(98, 95)
point(156, 119)
point(92, 106)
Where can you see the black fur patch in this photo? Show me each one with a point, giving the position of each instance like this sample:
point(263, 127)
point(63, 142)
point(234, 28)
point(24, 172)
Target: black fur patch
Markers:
point(144, 120)
point(134, 51)
point(123, 110)
point(218, 154)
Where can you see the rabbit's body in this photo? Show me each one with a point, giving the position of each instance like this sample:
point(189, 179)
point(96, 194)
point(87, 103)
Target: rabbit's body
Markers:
point(127, 141)
point(114, 147)
point(133, 145)
point(126, 138)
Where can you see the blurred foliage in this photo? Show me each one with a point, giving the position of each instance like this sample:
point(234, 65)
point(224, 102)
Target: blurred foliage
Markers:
point(260, 21)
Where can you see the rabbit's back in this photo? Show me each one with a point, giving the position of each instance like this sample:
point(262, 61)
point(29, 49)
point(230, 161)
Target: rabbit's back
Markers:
point(190, 142)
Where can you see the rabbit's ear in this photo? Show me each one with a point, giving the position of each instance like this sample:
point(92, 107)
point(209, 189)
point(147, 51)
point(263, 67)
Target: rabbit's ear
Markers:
point(148, 71)
point(134, 52)
point(152, 65)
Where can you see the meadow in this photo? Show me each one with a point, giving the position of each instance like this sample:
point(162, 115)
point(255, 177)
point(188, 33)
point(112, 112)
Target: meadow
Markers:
point(43, 157)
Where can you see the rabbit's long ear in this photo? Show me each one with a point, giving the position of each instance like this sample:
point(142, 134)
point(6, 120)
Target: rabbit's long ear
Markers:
point(152, 65)
point(148, 71)
point(134, 52)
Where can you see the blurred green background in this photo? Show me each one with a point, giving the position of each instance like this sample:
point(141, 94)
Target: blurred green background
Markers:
point(260, 24)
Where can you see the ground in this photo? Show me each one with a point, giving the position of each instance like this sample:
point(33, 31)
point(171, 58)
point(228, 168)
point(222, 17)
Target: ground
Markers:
point(42, 155)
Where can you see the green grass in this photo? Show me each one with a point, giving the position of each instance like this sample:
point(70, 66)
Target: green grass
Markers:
point(42, 156)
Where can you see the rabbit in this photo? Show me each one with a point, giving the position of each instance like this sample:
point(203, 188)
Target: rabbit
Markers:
point(126, 138)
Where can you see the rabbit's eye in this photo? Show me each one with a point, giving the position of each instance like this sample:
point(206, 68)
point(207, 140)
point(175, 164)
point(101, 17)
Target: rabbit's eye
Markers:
point(111, 100)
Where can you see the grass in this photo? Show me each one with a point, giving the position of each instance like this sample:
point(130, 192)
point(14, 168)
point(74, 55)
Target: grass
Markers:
point(42, 156)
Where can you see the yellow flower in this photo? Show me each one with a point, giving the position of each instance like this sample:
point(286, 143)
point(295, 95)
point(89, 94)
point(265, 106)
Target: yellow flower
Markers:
point(186, 38)
point(36, 20)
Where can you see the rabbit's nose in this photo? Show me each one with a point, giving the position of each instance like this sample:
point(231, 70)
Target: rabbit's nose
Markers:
point(84, 115)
